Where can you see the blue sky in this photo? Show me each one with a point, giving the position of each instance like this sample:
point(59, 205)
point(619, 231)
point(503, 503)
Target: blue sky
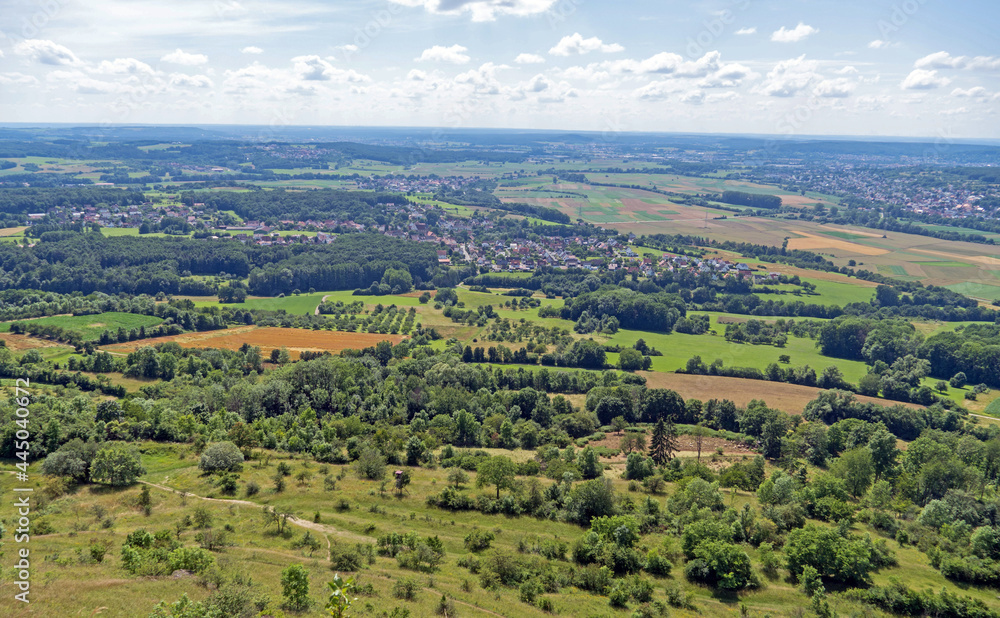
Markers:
point(850, 67)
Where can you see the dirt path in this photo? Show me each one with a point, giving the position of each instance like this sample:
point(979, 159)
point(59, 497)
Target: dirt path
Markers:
point(324, 529)
point(321, 301)
point(298, 521)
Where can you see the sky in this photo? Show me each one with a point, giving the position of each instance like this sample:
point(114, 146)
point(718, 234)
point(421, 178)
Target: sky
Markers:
point(923, 68)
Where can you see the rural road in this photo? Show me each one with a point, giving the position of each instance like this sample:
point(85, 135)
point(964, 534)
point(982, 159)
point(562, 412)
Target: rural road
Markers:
point(323, 300)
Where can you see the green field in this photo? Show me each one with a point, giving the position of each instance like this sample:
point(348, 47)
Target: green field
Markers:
point(827, 293)
point(976, 290)
point(90, 327)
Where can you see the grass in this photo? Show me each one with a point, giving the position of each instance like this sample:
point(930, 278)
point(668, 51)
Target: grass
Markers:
point(64, 586)
point(90, 327)
point(677, 348)
point(976, 290)
point(827, 293)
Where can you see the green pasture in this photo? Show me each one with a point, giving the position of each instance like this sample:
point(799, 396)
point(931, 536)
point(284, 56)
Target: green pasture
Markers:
point(90, 327)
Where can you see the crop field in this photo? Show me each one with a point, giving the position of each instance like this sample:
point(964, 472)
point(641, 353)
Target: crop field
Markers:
point(90, 327)
point(922, 258)
point(790, 398)
point(296, 340)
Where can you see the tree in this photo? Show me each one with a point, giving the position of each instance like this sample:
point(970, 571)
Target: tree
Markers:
point(856, 468)
point(340, 600)
point(295, 587)
point(958, 380)
point(117, 465)
point(457, 477)
point(630, 360)
point(663, 443)
point(633, 441)
point(221, 456)
point(370, 465)
point(498, 471)
point(414, 451)
point(402, 480)
point(73, 459)
point(721, 564)
point(590, 464)
point(699, 433)
point(884, 451)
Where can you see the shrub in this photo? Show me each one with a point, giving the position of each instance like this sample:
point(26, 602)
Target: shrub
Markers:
point(190, 559)
point(370, 465)
point(479, 540)
point(405, 588)
point(721, 564)
point(221, 456)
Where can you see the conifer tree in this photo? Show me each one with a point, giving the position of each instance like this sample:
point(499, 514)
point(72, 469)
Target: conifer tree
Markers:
point(663, 444)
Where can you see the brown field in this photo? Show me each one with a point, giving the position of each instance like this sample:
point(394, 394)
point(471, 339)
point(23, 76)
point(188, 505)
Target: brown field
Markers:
point(809, 241)
point(24, 342)
point(12, 231)
point(296, 340)
point(790, 398)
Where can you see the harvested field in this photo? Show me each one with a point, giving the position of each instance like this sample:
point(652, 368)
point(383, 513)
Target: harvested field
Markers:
point(790, 398)
point(809, 241)
point(296, 340)
point(24, 342)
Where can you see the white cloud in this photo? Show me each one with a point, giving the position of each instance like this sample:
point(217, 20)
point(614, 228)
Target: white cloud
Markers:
point(847, 70)
point(439, 53)
point(17, 78)
point(416, 75)
point(944, 60)
point(834, 88)
point(529, 59)
point(576, 44)
point(125, 66)
point(350, 48)
point(710, 69)
point(47, 52)
point(976, 92)
point(538, 83)
point(745, 31)
point(251, 50)
point(789, 77)
point(880, 44)
point(793, 35)
point(954, 112)
point(314, 68)
point(922, 79)
point(940, 60)
point(694, 97)
point(182, 57)
point(181, 80)
point(481, 10)
point(484, 79)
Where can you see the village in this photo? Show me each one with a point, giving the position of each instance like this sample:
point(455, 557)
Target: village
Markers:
point(462, 241)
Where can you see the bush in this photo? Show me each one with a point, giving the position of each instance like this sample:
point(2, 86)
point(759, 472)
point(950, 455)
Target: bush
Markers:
point(479, 540)
point(346, 558)
point(190, 559)
point(370, 465)
point(405, 588)
point(723, 565)
point(221, 456)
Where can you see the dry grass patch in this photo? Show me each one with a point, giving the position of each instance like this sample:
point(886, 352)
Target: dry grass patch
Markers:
point(296, 340)
point(791, 398)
